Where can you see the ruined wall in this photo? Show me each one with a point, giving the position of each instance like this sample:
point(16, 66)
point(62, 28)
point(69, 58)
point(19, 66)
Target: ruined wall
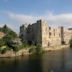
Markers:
point(34, 33)
point(23, 33)
point(54, 36)
point(41, 33)
point(44, 29)
point(67, 35)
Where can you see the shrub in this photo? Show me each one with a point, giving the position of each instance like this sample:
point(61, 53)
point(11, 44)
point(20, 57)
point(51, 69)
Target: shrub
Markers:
point(2, 42)
point(24, 45)
point(70, 43)
point(15, 49)
point(38, 49)
point(3, 50)
point(32, 50)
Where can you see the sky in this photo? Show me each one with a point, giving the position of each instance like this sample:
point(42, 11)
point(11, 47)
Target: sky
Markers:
point(14, 13)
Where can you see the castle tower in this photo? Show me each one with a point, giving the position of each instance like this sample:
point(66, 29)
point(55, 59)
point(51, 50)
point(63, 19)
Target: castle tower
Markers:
point(43, 33)
point(62, 35)
point(23, 33)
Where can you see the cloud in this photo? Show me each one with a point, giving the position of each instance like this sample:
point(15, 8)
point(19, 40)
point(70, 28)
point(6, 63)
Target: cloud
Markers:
point(22, 18)
point(1, 25)
point(64, 19)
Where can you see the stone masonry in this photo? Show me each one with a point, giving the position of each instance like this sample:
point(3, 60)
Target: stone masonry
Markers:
point(41, 33)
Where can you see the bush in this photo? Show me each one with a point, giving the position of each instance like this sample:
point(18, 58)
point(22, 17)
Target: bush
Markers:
point(32, 50)
point(38, 49)
point(15, 49)
point(3, 50)
point(2, 43)
point(70, 43)
point(24, 45)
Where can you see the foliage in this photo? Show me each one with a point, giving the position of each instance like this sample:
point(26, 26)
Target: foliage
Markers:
point(32, 50)
point(2, 43)
point(7, 39)
point(24, 45)
point(4, 49)
point(36, 49)
point(15, 48)
point(9, 33)
point(70, 43)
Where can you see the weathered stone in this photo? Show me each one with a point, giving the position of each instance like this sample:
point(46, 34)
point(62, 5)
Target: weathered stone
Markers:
point(41, 33)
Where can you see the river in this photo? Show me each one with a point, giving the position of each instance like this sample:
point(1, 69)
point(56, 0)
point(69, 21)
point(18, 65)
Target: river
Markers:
point(52, 61)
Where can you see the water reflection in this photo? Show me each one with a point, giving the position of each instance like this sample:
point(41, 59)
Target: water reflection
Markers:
point(35, 63)
point(13, 64)
point(54, 61)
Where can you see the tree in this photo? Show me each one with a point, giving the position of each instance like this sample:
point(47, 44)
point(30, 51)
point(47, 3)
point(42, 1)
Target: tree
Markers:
point(9, 33)
point(2, 43)
point(9, 36)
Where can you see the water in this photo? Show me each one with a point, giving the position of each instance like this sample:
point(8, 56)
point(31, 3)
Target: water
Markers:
point(54, 61)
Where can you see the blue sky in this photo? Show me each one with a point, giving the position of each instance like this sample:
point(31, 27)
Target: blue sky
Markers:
point(17, 12)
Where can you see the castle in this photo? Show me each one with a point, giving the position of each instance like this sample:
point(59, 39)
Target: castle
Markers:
point(41, 33)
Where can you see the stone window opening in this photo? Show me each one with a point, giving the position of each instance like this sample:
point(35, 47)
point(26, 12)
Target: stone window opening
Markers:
point(49, 28)
point(48, 43)
point(49, 34)
point(54, 32)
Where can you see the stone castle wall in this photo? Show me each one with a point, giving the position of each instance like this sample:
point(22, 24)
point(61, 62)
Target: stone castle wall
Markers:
point(41, 33)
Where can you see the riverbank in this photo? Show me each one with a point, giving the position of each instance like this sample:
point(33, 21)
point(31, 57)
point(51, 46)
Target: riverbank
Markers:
point(24, 52)
point(11, 53)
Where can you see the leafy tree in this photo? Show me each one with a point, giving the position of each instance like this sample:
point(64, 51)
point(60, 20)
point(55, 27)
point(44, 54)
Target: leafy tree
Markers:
point(2, 43)
point(9, 33)
point(3, 51)
point(9, 36)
